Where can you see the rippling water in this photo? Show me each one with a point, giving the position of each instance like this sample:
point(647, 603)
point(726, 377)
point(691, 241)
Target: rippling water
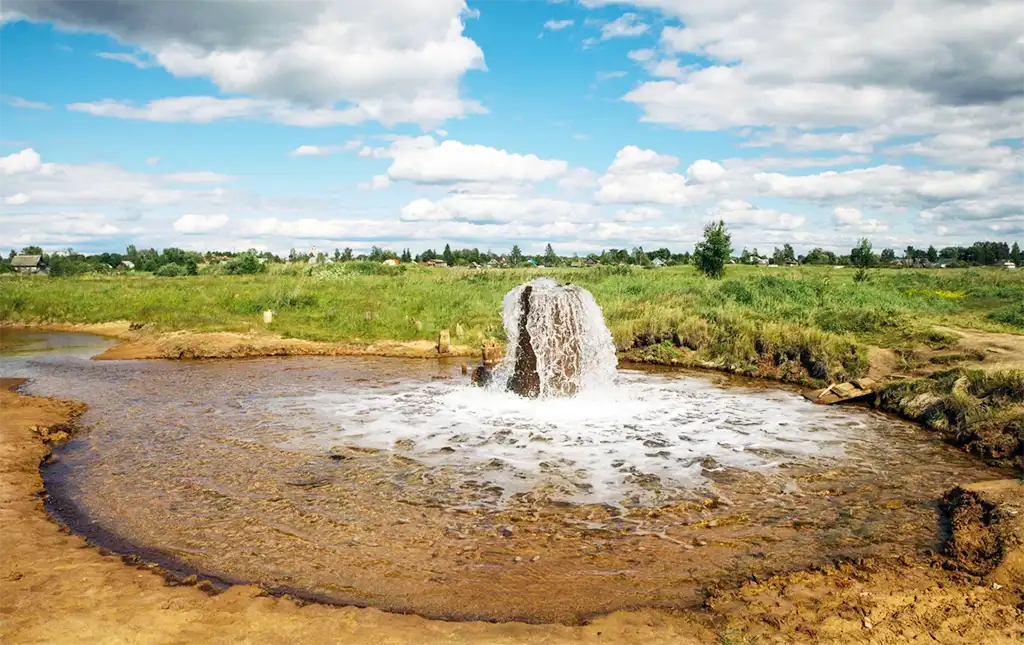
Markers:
point(395, 483)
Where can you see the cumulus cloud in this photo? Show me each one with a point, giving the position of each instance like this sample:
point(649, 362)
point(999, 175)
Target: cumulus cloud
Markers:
point(741, 213)
point(26, 160)
point(422, 160)
point(494, 208)
point(639, 176)
point(17, 199)
point(852, 219)
point(195, 224)
point(638, 214)
point(628, 25)
point(393, 61)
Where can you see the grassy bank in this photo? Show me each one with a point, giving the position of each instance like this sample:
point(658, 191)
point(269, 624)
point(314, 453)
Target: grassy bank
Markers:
point(800, 324)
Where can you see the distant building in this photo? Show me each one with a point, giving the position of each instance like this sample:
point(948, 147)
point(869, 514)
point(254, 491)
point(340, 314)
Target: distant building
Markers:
point(657, 262)
point(126, 264)
point(1009, 265)
point(29, 264)
point(436, 263)
point(390, 262)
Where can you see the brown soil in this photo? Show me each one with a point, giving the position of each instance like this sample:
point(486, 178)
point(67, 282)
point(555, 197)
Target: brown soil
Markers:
point(55, 588)
point(990, 350)
point(177, 345)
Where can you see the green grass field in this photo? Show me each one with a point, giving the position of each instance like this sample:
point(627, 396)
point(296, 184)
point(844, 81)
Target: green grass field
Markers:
point(808, 325)
point(753, 314)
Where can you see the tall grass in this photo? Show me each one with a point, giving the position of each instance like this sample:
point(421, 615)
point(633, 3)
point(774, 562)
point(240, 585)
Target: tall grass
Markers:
point(816, 318)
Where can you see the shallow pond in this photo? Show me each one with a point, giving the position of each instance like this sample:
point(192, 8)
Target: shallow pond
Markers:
point(396, 484)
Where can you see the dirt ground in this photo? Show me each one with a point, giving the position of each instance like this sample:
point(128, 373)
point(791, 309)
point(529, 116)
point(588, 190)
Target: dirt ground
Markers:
point(55, 588)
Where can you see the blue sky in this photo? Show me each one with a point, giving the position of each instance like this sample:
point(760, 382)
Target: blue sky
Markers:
point(224, 124)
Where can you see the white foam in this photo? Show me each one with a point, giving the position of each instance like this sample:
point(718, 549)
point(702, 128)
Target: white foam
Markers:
point(592, 445)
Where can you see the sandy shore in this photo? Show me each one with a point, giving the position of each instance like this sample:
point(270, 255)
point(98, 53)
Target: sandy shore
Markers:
point(55, 588)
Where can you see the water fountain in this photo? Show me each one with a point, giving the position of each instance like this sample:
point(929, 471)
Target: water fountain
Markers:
point(558, 344)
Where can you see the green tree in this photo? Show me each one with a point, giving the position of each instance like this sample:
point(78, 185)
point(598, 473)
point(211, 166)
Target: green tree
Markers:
point(640, 258)
point(933, 255)
point(448, 256)
point(516, 256)
point(1015, 254)
point(887, 256)
point(711, 254)
point(337, 255)
point(244, 264)
point(551, 258)
point(346, 255)
point(862, 256)
point(32, 250)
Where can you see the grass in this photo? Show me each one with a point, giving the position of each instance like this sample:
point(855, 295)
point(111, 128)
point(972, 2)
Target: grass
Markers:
point(982, 411)
point(799, 324)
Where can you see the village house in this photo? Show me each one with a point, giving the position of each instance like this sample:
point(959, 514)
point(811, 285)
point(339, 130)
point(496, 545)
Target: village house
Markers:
point(29, 264)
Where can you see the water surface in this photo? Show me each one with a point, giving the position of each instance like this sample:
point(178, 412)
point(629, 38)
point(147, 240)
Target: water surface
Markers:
point(394, 483)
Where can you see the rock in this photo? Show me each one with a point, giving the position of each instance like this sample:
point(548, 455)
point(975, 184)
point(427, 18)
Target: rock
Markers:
point(444, 341)
point(535, 558)
point(790, 487)
point(506, 531)
point(459, 331)
point(517, 559)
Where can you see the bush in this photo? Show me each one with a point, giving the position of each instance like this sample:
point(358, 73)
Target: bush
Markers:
point(171, 270)
point(244, 264)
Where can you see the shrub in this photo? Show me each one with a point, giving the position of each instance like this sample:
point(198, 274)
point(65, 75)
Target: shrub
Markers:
point(171, 270)
point(244, 264)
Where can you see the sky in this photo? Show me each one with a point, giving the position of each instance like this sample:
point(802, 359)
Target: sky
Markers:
point(589, 124)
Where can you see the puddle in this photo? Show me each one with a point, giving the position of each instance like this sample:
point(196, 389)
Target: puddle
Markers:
point(393, 483)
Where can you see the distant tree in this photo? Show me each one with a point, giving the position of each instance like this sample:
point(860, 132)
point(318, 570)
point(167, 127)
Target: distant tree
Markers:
point(933, 255)
point(448, 256)
point(909, 253)
point(887, 256)
point(346, 255)
point(293, 256)
point(1015, 255)
point(337, 255)
point(711, 254)
point(783, 255)
point(745, 256)
point(639, 258)
point(819, 255)
point(551, 258)
point(662, 254)
point(406, 256)
point(862, 256)
point(515, 257)
point(32, 250)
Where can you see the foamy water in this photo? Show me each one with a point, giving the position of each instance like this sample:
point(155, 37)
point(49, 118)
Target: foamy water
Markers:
point(599, 446)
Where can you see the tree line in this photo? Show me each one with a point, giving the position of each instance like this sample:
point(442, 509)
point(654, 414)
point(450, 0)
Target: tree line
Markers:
point(710, 255)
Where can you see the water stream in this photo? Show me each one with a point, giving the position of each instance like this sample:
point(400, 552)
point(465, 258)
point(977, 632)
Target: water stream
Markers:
point(397, 484)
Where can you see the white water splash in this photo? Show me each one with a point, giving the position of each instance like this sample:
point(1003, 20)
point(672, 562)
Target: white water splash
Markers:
point(565, 324)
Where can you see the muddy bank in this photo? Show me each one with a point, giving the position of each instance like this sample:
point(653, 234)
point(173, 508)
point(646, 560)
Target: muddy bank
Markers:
point(54, 588)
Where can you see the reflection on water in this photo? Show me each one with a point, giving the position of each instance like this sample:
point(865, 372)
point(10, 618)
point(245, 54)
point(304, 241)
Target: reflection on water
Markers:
point(393, 483)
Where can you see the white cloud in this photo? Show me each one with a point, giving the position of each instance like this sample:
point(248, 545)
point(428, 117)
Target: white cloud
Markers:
point(639, 176)
point(848, 218)
point(638, 214)
point(200, 177)
point(311, 151)
point(194, 224)
point(628, 25)
point(705, 171)
point(18, 102)
point(26, 160)
point(17, 199)
point(423, 160)
point(397, 61)
point(741, 213)
point(152, 161)
point(123, 57)
point(207, 109)
point(557, 25)
point(494, 208)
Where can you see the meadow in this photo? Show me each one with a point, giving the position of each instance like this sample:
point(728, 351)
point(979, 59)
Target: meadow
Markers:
point(752, 313)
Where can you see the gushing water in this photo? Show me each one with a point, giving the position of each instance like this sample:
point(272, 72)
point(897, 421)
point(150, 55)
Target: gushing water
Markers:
point(558, 344)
